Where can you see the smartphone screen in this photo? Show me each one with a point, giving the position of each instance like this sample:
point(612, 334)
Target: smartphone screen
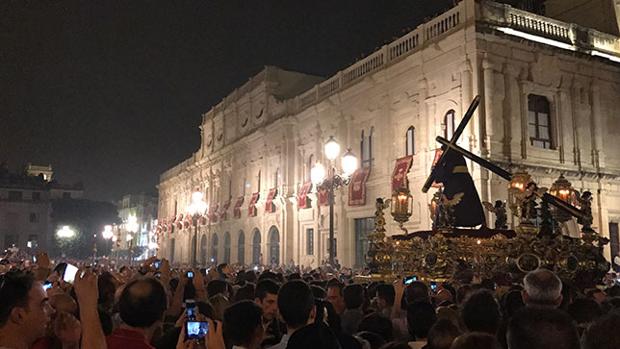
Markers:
point(47, 285)
point(433, 286)
point(70, 271)
point(196, 329)
point(190, 274)
point(410, 279)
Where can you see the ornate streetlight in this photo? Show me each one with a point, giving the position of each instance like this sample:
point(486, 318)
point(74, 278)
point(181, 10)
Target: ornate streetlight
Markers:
point(401, 206)
point(563, 190)
point(330, 180)
point(196, 209)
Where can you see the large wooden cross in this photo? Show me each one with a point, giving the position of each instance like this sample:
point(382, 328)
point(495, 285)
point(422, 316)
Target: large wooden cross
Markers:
point(450, 145)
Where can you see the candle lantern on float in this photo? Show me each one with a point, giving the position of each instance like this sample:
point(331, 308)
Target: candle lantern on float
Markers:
point(516, 190)
point(402, 206)
point(563, 190)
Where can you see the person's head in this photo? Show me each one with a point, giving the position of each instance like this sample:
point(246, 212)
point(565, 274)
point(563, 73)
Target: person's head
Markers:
point(442, 334)
point(603, 334)
point(541, 328)
point(420, 318)
point(243, 325)
point(266, 295)
point(417, 291)
point(353, 296)
point(219, 303)
point(24, 309)
point(597, 295)
point(511, 302)
point(385, 296)
point(296, 304)
point(374, 340)
point(62, 302)
point(142, 303)
point(313, 336)
point(475, 340)
point(245, 292)
point(215, 287)
point(335, 295)
point(378, 324)
point(462, 293)
point(318, 292)
point(584, 311)
point(542, 288)
point(480, 312)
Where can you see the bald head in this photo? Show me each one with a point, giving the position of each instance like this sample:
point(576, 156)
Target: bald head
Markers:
point(142, 303)
point(542, 288)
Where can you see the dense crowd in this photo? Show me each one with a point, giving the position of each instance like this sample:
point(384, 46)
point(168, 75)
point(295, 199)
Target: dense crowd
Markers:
point(156, 306)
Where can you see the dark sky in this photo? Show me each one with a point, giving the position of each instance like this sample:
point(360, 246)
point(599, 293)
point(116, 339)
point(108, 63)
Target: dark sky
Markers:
point(111, 92)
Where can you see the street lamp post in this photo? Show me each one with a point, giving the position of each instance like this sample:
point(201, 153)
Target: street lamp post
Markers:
point(330, 180)
point(197, 208)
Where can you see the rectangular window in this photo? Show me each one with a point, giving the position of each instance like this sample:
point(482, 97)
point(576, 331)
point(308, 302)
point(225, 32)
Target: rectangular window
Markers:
point(614, 244)
point(36, 196)
point(363, 227)
point(310, 241)
point(15, 195)
point(539, 121)
point(410, 145)
point(33, 217)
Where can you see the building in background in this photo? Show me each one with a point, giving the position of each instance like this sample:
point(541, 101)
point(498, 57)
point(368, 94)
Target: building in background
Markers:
point(549, 106)
point(135, 236)
point(26, 206)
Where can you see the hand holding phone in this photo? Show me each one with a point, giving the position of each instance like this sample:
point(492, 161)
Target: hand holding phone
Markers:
point(70, 272)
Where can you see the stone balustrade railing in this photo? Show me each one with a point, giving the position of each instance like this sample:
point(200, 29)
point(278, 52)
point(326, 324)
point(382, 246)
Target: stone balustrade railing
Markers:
point(580, 38)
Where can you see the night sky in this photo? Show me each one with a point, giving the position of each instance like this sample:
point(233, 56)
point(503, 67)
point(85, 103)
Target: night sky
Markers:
point(111, 92)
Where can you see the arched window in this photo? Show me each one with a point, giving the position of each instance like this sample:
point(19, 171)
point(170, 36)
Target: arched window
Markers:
point(539, 121)
point(274, 246)
point(366, 148)
point(309, 168)
point(226, 247)
point(410, 142)
point(214, 245)
point(256, 255)
point(448, 124)
point(276, 178)
point(258, 181)
point(241, 248)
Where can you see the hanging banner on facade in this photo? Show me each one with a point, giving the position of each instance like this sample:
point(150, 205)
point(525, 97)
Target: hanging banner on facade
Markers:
point(252, 211)
point(303, 201)
point(438, 153)
point(270, 207)
point(323, 197)
point(401, 169)
point(224, 210)
point(237, 208)
point(213, 214)
point(357, 187)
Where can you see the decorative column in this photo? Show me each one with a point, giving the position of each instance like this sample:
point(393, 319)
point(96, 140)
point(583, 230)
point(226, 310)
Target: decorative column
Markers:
point(489, 107)
point(467, 97)
point(512, 103)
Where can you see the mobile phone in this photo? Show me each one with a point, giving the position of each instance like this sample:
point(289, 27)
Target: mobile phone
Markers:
point(70, 272)
point(433, 286)
point(196, 329)
point(34, 259)
point(157, 264)
point(190, 309)
point(47, 285)
point(410, 279)
point(190, 274)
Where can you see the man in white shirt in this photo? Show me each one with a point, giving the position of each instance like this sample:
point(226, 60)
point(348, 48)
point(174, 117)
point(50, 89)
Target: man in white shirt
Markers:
point(296, 305)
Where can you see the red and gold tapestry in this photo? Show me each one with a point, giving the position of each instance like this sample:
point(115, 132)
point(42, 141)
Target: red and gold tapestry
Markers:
point(237, 208)
point(303, 201)
point(252, 211)
point(323, 197)
point(399, 176)
point(224, 210)
point(438, 153)
point(270, 207)
point(357, 187)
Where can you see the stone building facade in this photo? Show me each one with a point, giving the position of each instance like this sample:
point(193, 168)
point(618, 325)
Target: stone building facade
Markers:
point(26, 207)
point(549, 93)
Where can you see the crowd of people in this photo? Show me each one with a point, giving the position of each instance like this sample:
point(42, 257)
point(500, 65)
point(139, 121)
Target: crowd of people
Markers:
point(154, 305)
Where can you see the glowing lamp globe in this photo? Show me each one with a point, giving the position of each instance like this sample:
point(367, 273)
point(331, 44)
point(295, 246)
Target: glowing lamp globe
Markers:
point(349, 163)
point(332, 149)
point(317, 174)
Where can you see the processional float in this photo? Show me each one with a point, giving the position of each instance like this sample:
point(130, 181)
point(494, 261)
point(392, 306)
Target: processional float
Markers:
point(547, 235)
